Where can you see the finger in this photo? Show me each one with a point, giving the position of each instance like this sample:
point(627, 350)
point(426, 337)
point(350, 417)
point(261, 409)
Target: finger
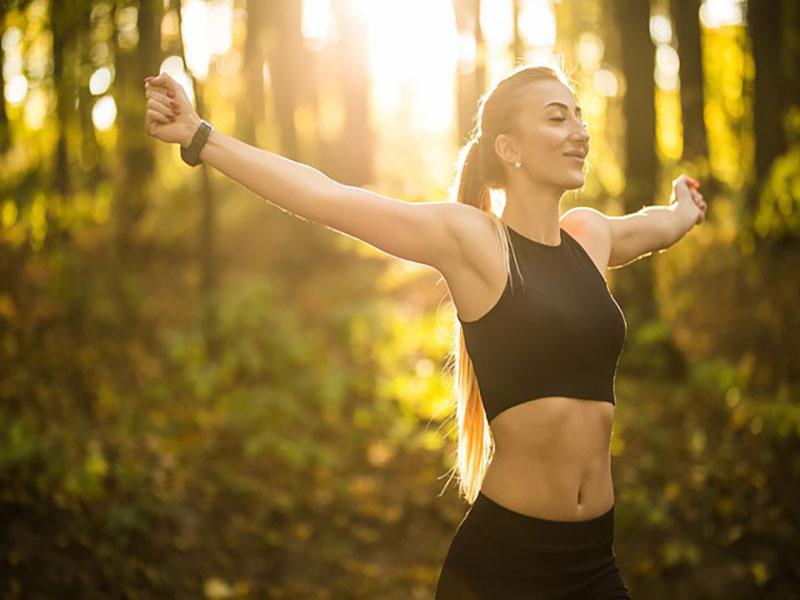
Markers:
point(160, 96)
point(154, 115)
point(163, 79)
point(159, 107)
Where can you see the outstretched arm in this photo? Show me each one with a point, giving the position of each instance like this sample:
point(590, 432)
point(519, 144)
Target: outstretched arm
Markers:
point(624, 239)
point(417, 231)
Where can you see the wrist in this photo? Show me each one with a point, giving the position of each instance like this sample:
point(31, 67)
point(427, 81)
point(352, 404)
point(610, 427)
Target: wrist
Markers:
point(681, 222)
point(189, 131)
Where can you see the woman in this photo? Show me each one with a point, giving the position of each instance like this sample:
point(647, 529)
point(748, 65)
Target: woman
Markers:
point(537, 345)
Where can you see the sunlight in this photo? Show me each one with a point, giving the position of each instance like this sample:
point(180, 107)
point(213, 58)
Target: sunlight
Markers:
point(104, 113)
point(100, 81)
point(667, 67)
point(717, 13)
point(537, 23)
point(590, 51)
point(416, 77)
point(35, 111)
point(16, 89)
point(660, 29)
point(317, 23)
point(173, 65)
point(16, 83)
point(207, 32)
point(497, 23)
point(606, 83)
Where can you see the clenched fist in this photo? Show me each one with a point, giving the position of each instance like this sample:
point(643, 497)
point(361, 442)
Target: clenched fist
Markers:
point(170, 116)
point(690, 203)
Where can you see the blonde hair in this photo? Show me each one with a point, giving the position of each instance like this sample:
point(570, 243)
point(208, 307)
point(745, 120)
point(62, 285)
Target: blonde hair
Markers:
point(479, 170)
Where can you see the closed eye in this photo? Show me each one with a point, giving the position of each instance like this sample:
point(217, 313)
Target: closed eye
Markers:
point(554, 119)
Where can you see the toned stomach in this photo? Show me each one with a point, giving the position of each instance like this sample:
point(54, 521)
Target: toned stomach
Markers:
point(552, 459)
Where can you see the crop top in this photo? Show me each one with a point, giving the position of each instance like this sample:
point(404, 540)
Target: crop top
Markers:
point(559, 333)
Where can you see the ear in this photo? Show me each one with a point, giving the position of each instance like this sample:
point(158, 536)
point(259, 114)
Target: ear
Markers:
point(506, 147)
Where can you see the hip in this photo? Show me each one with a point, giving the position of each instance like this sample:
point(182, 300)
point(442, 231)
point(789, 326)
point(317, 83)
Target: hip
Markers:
point(499, 553)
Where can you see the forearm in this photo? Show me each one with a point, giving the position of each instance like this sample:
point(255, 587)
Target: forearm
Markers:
point(293, 186)
point(672, 223)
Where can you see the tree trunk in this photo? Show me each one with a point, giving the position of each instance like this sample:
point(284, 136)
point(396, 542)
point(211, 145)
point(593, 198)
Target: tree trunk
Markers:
point(283, 53)
point(355, 164)
point(470, 82)
point(764, 18)
point(250, 112)
point(687, 31)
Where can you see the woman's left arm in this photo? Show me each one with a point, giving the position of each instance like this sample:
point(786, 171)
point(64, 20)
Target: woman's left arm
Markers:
point(624, 239)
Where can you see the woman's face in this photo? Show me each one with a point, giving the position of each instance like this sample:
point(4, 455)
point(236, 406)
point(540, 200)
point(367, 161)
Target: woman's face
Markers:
point(549, 127)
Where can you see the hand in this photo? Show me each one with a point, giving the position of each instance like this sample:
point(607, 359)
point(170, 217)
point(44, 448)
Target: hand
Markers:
point(690, 203)
point(170, 116)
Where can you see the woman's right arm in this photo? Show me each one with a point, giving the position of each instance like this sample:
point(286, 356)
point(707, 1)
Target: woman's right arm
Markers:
point(422, 232)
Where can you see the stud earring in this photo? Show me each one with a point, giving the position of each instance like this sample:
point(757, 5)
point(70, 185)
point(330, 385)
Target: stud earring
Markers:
point(518, 163)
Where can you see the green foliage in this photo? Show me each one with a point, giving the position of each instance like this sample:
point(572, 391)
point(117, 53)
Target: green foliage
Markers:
point(778, 214)
point(706, 480)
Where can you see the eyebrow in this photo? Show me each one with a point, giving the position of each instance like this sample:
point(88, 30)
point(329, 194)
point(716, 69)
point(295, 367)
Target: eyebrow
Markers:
point(562, 105)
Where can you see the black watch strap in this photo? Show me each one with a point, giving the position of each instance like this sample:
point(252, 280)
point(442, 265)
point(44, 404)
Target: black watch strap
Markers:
point(191, 154)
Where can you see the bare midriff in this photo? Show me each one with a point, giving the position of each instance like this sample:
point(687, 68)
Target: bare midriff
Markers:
point(552, 459)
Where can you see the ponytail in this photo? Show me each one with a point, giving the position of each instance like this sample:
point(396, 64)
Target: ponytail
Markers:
point(479, 170)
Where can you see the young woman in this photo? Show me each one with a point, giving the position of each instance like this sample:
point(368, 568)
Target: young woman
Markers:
point(536, 345)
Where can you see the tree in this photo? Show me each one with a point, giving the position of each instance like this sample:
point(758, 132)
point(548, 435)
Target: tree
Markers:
point(687, 31)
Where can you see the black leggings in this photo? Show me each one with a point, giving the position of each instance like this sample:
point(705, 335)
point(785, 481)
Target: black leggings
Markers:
point(498, 553)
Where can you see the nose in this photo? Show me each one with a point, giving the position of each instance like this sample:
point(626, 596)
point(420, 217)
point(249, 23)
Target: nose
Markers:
point(582, 134)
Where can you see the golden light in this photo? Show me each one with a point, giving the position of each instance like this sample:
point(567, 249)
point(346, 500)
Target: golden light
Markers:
point(127, 29)
point(207, 32)
point(718, 13)
point(606, 83)
point(590, 50)
point(104, 112)
point(413, 75)
point(173, 65)
point(35, 109)
point(16, 89)
point(16, 86)
point(660, 29)
point(467, 51)
point(100, 81)
point(667, 67)
point(11, 39)
point(497, 22)
point(317, 23)
point(537, 23)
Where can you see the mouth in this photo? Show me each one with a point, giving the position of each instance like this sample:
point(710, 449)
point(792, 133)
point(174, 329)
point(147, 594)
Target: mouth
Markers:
point(579, 154)
point(576, 157)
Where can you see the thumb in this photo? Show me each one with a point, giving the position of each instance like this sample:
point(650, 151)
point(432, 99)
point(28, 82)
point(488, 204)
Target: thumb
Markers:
point(164, 79)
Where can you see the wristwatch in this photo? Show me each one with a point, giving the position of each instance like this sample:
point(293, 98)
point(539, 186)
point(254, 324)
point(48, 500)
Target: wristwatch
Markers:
point(191, 154)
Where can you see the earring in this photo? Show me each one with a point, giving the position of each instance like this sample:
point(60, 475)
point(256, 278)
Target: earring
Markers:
point(518, 163)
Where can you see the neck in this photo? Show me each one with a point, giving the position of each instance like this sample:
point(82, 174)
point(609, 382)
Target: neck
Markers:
point(534, 211)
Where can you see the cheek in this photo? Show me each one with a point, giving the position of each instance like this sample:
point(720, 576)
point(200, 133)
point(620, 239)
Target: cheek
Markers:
point(545, 144)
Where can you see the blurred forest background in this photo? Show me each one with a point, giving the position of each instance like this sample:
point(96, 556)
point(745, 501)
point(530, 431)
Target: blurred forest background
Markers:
point(203, 396)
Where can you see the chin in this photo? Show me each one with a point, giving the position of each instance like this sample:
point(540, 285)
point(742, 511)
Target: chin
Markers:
point(575, 182)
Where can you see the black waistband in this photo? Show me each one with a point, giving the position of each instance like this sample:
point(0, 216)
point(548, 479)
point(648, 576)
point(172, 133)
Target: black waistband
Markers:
point(534, 532)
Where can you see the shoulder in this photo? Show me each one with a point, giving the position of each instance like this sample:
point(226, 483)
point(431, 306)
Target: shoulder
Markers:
point(587, 222)
point(475, 233)
point(469, 224)
point(591, 229)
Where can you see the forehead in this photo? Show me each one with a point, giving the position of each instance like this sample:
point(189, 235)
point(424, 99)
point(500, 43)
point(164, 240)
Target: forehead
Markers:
point(550, 94)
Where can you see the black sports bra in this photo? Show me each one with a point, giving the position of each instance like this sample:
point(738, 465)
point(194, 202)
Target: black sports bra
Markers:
point(559, 333)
